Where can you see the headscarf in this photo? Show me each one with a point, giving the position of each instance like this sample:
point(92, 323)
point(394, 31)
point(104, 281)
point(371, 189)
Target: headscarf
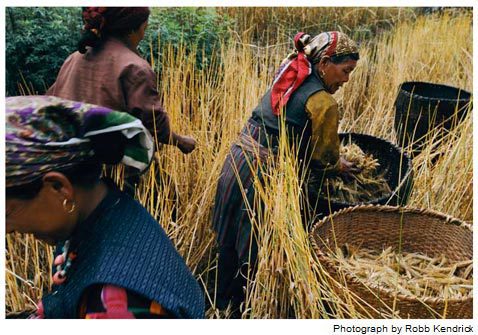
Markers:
point(101, 20)
point(46, 133)
point(296, 67)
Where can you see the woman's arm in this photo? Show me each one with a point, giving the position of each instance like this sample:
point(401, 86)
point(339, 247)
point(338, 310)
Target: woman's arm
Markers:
point(322, 110)
point(323, 113)
point(143, 102)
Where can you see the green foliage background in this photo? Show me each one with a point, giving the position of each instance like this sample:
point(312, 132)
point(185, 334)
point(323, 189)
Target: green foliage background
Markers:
point(37, 42)
point(39, 39)
point(200, 28)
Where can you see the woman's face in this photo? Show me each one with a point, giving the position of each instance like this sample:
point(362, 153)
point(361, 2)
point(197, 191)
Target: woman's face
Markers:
point(44, 216)
point(335, 75)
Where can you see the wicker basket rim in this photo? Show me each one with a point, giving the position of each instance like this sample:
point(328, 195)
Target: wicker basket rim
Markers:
point(448, 219)
point(417, 96)
point(351, 277)
point(380, 139)
point(406, 159)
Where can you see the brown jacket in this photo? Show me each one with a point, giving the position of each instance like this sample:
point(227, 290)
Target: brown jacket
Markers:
point(116, 77)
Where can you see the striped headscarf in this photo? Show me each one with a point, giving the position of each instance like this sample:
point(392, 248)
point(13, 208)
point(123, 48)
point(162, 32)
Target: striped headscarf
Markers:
point(297, 66)
point(45, 133)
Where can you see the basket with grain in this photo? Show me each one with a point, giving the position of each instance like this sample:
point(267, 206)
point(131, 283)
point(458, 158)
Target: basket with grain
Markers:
point(393, 166)
point(403, 231)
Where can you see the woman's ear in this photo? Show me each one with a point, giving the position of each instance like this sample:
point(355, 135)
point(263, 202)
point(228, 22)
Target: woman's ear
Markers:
point(322, 64)
point(324, 60)
point(58, 183)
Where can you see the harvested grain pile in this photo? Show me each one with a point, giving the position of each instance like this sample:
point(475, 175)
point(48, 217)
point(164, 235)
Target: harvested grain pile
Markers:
point(366, 185)
point(411, 274)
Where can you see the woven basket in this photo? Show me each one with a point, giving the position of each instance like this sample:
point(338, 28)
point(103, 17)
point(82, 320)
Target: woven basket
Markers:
point(421, 107)
point(379, 227)
point(396, 165)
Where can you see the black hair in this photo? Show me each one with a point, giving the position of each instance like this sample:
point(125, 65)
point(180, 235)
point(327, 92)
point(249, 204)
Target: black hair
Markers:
point(337, 59)
point(109, 149)
point(90, 39)
point(25, 192)
point(120, 32)
point(85, 175)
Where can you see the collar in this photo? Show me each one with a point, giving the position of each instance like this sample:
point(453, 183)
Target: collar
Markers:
point(123, 42)
point(316, 74)
point(85, 227)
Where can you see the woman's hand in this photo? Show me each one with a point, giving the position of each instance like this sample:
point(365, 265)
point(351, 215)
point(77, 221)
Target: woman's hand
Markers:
point(347, 169)
point(186, 144)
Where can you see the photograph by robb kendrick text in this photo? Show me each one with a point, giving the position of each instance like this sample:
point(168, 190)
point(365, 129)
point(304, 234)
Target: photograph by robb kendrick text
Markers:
point(425, 328)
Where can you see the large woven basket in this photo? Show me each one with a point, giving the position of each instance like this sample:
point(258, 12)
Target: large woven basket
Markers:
point(379, 227)
point(394, 163)
point(421, 107)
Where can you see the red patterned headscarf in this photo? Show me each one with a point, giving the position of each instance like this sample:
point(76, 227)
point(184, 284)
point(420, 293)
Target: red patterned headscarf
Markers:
point(296, 67)
point(113, 19)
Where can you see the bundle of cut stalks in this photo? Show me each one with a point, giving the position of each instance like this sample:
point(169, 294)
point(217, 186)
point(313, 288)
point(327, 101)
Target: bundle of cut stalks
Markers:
point(406, 273)
point(364, 186)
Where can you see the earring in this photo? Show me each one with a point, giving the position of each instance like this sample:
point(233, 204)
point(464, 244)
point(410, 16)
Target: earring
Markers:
point(71, 209)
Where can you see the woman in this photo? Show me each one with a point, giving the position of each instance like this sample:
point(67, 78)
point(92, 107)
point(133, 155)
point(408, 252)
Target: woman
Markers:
point(113, 260)
point(108, 71)
point(301, 94)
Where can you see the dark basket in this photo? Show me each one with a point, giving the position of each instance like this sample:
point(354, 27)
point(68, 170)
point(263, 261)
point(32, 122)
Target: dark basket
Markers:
point(421, 107)
point(409, 230)
point(396, 164)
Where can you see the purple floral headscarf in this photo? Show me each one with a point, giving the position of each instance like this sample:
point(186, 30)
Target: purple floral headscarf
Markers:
point(45, 133)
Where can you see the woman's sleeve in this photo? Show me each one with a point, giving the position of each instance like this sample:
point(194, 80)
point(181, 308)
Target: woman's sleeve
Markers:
point(142, 100)
point(113, 302)
point(322, 110)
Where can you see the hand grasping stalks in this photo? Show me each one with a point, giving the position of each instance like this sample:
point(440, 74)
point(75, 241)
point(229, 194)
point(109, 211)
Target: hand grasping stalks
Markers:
point(363, 186)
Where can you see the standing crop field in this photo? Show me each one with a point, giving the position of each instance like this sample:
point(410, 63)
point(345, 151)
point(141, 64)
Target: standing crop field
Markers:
point(213, 102)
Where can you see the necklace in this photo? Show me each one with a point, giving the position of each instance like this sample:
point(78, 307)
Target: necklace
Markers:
point(63, 263)
point(64, 260)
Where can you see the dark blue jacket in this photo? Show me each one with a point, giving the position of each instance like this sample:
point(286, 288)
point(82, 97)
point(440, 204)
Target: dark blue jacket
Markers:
point(121, 244)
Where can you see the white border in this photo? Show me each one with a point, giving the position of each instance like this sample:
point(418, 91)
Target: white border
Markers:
point(214, 326)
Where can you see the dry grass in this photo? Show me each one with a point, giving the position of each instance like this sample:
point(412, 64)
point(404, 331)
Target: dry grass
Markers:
point(213, 104)
point(365, 185)
point(411, 274)
point(279, 24)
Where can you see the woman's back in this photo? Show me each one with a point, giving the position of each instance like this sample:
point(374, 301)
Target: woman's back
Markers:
point(103, 76)
point(108, 71)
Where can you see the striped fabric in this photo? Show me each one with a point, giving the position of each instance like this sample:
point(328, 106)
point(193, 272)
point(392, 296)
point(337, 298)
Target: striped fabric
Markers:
point(112, 302)
point(230, 218)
